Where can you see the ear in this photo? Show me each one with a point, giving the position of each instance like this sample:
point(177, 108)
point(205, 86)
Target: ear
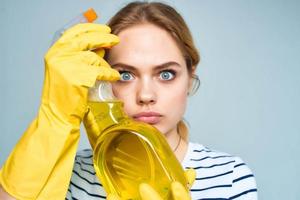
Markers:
point(191, 79)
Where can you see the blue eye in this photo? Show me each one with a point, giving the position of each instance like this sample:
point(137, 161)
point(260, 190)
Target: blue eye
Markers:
point(125, 76)
point(167, 75)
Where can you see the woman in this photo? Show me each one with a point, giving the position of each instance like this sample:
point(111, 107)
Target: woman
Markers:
point(156, 59)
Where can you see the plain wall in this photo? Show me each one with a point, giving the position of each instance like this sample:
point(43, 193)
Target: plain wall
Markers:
point(248, 102)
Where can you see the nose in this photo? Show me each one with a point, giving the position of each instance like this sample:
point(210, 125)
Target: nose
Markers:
point(146, 94)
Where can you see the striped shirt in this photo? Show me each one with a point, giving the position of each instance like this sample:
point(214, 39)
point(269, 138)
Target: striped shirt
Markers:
point(220, 176)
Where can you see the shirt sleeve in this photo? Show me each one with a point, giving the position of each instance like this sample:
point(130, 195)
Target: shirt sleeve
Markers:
point(243, 183)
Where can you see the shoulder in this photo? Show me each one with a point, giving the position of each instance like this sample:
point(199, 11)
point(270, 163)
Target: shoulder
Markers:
point(201, 157)
point(84, 183)
point(243, 181)
point(219, 174)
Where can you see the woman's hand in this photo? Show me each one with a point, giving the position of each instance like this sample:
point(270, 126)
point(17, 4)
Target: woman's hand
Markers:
point(73, 64)
point(179, 192)
point(40, 165)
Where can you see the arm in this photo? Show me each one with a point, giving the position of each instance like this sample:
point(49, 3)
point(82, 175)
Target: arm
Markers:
point(243, 184)
point(40, 165)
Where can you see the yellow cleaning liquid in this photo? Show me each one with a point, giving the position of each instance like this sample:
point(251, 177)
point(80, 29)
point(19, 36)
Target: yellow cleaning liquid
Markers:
point(128, 153)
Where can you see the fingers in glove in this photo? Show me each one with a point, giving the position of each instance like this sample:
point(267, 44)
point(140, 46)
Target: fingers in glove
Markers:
point(90, 123)
point(179, 192)
point(148, 193)
point(91, 126)
point(91, 41)
point(83, 42)
point(92, 58)
point(103, 63)
point(84, 68)
point(83, 74)
point(113, 197)
point(190, 175)
point(99, 52)
point(84, 28)
point(108, 74)
point(87, 77)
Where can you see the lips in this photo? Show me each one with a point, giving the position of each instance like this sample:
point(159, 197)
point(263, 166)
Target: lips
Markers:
point(148, 117)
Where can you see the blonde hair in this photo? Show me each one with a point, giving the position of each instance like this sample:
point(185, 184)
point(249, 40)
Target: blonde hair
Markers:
point(167, 18)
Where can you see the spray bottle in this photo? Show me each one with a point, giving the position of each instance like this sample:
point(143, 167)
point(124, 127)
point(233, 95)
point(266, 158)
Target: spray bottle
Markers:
point(127, 152)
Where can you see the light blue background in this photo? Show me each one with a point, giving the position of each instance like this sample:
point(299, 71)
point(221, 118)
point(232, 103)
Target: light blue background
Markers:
point(248, 102)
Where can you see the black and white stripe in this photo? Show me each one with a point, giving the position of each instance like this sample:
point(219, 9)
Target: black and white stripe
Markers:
point(84, 183)
point(219, 176)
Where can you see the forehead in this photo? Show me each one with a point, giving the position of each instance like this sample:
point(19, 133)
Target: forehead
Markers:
point(145, 44)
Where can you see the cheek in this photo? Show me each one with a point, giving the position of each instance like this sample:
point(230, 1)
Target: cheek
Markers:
point(123, 91)
point(177, 103)
point(175, 99)
point(126, 95)
point(173, 104)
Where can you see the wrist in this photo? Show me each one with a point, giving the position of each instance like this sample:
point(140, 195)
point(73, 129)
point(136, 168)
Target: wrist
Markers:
point(55, 117)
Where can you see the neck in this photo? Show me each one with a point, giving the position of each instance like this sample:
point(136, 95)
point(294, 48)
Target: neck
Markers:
point(177, 144)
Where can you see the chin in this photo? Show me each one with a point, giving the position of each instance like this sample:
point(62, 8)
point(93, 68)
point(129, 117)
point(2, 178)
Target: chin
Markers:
point(158, 127)
point(162, 130)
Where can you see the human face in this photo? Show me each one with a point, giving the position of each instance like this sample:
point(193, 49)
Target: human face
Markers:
point(154, 78)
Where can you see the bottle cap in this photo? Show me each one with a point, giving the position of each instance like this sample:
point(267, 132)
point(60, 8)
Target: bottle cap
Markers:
point(90, 15)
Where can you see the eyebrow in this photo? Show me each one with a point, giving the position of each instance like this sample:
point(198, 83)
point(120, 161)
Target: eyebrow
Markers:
point(157, 67)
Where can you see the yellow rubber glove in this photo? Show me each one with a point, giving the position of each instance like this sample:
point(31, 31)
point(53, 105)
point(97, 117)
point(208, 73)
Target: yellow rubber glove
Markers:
point(178, 190)
point(40, 165)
